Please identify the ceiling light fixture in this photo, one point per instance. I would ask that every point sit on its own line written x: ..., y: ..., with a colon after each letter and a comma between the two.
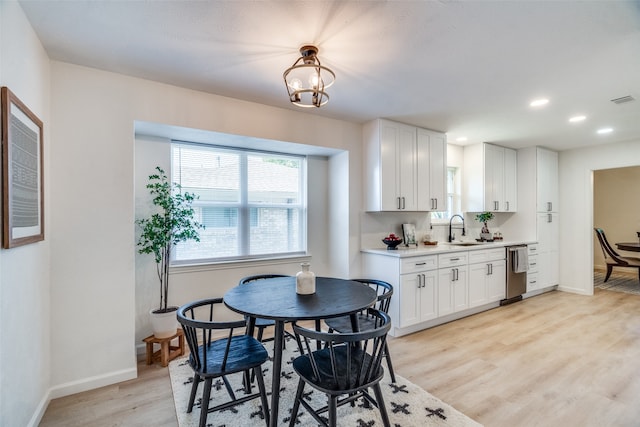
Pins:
x: 307, y: 79
x: 605, y: 130
x: 576, y: 119
x: 462, y: 139
x: 539, y: 102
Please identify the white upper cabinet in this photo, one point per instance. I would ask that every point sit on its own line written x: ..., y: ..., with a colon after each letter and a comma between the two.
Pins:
x: 490, y: 178
x: 404, y: 167
x: 547, y: 180
x: 432, y: 169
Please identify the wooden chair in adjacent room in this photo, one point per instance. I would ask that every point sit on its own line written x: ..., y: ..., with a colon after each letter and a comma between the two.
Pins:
x: 343, y: 324
x: 217, y: 358
x: 614, y: 259
x: 346, y: 364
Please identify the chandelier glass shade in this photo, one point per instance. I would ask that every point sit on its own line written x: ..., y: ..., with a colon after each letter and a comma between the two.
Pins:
x: 307, y: 79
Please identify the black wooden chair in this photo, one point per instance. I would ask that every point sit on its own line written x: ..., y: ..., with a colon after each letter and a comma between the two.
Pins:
x: 262, y: 324
x: 365, y: 323
x: 347, y: 365
x: 217, y: 358
x: 614, y: 259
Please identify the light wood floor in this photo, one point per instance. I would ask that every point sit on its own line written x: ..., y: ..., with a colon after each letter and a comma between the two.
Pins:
x: 557, y: 359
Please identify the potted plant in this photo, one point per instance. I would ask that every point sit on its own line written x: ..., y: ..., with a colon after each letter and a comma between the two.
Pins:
x: 484, y: 217
x: 171, y: 223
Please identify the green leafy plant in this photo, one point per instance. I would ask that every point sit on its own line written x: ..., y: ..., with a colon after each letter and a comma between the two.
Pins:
x: 484, y: 216
x: 173, y: 222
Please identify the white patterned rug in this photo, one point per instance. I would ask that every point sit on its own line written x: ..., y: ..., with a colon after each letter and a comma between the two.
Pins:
x: 626, y: 284
x: 407, y: 404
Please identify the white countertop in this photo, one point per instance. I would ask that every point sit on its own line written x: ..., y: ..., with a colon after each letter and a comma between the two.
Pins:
x: 422, y: 249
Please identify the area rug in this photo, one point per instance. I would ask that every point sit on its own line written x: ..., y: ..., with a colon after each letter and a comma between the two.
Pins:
x: 626, y: 284
x: 407, y: 404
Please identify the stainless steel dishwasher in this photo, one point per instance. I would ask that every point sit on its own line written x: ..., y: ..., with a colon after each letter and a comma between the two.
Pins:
x: 517, y: 266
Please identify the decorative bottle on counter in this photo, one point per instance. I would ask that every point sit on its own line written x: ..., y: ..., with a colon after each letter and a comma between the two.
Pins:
x: 305, y: 280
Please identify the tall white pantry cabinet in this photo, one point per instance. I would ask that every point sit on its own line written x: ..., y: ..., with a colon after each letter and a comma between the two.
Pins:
x: 404, y: 167
x: 539, y: 211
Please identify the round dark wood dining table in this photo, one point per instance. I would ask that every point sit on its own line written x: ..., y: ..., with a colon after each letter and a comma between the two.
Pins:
x: 631, y: 246
x: 276, y: 299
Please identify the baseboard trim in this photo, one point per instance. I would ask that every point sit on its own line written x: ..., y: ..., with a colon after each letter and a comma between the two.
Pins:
x: 40, y: 410
x: 91, y: 383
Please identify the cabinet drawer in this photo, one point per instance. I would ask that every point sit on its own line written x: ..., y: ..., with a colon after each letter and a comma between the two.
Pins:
x: 532, y: 249
x: 533, y: 264
x: 486, y: 255
x: 532, y: 281
x: 416, y: 264
x: 453, y: 259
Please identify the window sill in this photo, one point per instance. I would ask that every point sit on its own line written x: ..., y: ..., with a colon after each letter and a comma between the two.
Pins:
x: 235, y: 264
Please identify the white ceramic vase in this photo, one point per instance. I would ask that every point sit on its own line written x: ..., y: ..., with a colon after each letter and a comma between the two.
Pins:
x: 164, y: 324
x: 305, y: 280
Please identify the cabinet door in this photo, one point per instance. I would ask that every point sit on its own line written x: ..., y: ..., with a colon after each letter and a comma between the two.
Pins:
x: 460, y: 287
x: 445, y: 291
x: 510, y: 181
x: 428, y: 296
x: 410, y: 289
x: 548, y: 253
x: 547, y: 180
x: 431, y: 149
x: 494, y: 178
x: 406, y: 168
x: 497, y: 281
x: 478, y: 284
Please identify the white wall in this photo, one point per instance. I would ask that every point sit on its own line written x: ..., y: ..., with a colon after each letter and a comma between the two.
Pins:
x: 576, y: 219
x: 24, y: 271
x: 93, y: 168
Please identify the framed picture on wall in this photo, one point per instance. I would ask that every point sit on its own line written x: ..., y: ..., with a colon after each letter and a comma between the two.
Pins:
x: 409, y: 234
x: 22, y: 179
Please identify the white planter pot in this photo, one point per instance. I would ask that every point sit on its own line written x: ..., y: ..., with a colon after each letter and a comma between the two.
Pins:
x: 164, y: 324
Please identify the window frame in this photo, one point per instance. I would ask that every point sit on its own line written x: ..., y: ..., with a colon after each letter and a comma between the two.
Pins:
x: 244, y: 208
x: 454, y: 198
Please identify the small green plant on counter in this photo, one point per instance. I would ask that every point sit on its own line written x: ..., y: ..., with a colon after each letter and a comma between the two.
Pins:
x: 484, y: 217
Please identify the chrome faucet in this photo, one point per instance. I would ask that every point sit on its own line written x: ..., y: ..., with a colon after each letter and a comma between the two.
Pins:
x: 451, y: 236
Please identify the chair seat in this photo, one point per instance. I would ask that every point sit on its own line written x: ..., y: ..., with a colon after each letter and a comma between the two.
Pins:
x: 245, y: 352
x: 263, y: 323
x: 632, y: 261
x: 343, y: 380
x: 343, y: 324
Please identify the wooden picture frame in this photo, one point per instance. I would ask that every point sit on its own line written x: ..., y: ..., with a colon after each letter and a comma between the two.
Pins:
x: 22, y: 173
x: 409, y: 234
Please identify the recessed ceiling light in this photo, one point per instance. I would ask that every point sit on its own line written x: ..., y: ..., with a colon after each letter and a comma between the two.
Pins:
x: 539, y: 102
x: 577, y: 119
x: 462, y: 139
x: 605, y: 130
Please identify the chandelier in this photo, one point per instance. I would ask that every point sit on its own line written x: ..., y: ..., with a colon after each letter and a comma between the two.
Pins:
x: 307, y: 79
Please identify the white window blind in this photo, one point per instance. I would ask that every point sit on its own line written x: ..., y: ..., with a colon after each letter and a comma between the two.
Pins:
x: 251, y: 203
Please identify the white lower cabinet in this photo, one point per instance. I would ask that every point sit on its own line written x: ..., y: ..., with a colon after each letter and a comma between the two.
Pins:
x: 453, y: 290
x: 428, y: 288
x: 417, y: 297
x: 487, y: 277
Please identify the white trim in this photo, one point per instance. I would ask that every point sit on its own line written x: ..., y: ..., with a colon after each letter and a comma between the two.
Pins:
x: 91, y: 383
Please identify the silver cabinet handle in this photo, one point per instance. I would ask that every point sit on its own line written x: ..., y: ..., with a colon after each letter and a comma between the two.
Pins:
x: 420, y: 263
x: 403, y: 203
x: 549, y: 218
x: 549, y: 206
x: 454, y: 259
x: 424, y: 281
x: 507, y: 206
x: 398, y: 200
x: 488, y: 269
x: 419, y: 281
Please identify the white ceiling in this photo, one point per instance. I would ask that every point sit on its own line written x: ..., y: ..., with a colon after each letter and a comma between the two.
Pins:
x: 468, y: 68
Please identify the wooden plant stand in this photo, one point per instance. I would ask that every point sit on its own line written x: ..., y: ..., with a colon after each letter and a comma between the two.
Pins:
x: 167, y: 351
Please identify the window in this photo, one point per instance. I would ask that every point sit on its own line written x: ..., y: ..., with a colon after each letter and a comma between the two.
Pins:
x: 251, y: 203
x: 453, y: 198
